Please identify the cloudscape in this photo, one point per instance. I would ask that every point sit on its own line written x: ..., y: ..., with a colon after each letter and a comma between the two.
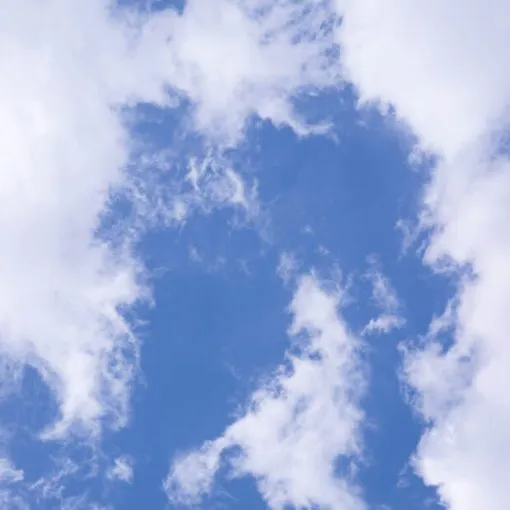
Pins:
x: 254, y: 254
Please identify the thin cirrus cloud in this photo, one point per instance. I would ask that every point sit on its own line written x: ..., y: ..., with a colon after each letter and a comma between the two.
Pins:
x: 69, y: 70
x: 298, y: 425
x: 385, y: 298
x: 444, y: 68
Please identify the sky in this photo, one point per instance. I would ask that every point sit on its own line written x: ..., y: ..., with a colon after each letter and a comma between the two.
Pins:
x: 254, y: 254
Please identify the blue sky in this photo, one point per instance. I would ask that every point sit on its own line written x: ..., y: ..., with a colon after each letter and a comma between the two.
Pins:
x: 254, y: 255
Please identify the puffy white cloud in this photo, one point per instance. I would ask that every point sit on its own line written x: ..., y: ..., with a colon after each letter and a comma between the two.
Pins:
x: 298, y: 425
x: 63, y: 147
x: 441, y: 64
x: 68, y: 70
x: 235, y: 58
x: 444, y: 68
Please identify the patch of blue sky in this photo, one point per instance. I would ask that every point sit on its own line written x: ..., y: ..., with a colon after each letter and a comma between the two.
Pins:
x: 220, y: 323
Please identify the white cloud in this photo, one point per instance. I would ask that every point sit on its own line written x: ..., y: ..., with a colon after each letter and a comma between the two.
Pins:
x: 63, y: 147
x: 68, y: 69
x: 390, y: 53
x: 214, y: 181
x: 172, y: 196
x: 384, y: 323
x: 122, y: 469
x: 386, y: 300
x: 8, y: 473
x: 235, y: 58
x: 444, y: 67
x: 287, y: 266
x: 298, y: 424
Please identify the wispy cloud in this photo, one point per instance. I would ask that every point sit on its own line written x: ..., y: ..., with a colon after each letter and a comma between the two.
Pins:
x: 251, y: 57
x: 71, y: 71
x: 288, y: 266
x: 66, y: 148
x: 122, y: 469
x: 386, y: 300
x: 298, y: 424
x: 8, y: 473
x: 443, y: 66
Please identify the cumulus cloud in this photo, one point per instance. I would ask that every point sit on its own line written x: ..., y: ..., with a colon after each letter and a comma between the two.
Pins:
x: 389, y: 53
x: 443, y: 67
x: 298, y: 425
x: 63, y: 148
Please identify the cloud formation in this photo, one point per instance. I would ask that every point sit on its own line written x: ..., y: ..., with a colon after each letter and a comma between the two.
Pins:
x: 69, y: 71
x: 73, y: 73
x: 443, y: 67
x: 298, y: 425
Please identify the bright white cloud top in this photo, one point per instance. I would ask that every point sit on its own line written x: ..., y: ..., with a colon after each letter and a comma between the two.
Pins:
x: 74, y: 74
